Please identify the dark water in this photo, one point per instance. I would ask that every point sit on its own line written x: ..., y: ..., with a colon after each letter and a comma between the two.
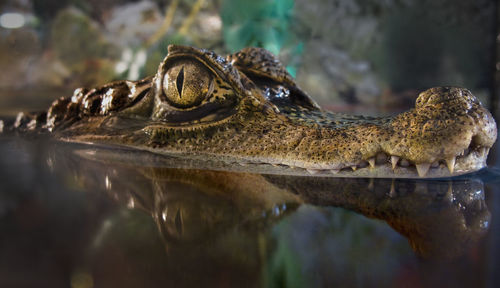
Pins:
x: 78, y: 216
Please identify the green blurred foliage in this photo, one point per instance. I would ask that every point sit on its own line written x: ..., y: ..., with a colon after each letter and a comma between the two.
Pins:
x: 76, y: 38
x: 261, y: 23
x: 81, y: 47
x: 284, y: 269
x: 333, y: 247
x: 157, y: 52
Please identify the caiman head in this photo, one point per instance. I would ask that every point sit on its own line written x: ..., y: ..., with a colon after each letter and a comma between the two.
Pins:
x: 246, y: 109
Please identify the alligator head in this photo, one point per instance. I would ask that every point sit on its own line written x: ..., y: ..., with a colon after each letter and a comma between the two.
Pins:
x: 247, y: 109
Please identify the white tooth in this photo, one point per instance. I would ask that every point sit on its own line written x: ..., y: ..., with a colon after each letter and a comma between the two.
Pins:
x: 450, y: 162
x: 354, y: 168
x: 449, y: 193
x: 422, y: 168
x: 313, y: 171
x: 371, y: 161
x: 392, y: 192
x: 394, y: 161
x: 371, y: 184
x: 334, y: 171
x: 484, y: 152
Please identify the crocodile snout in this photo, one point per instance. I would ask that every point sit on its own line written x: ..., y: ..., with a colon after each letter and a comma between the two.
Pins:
x: 448, y: 124
x: 246, y: 108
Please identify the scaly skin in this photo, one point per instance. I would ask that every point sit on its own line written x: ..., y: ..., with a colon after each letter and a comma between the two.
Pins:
x: 246, y: 108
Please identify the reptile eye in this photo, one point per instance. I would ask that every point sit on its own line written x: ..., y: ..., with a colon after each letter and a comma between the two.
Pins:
x: 187, y: 84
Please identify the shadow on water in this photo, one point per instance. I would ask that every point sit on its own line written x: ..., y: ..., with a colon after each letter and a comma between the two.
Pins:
x: 104, y: 217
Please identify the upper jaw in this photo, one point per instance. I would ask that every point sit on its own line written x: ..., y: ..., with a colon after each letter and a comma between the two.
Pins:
x: 448, y: 125
x: 448, y: 133
x: 386, y: 166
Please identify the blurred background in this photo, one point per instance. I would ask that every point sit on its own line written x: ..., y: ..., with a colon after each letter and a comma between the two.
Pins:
x: 366, y: 56
x: 361, y: 56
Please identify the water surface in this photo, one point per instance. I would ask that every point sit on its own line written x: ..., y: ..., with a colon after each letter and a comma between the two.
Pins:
x: 86, y: 216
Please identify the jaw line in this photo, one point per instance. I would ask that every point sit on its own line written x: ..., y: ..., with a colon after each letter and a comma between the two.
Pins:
x: 472, y: 162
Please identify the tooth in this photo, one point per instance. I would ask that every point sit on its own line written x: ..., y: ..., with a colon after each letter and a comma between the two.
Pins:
x: 371, y: 161
x: 334, y: 171
x: 484, y: 152
x: 371, y: 184
x: 449, y: 193
x: 481, y: 151
x: 354, y: 168
x: 451, y: 164
x: 422, y: 168
x: 392, y: 192
x: 394, y: 161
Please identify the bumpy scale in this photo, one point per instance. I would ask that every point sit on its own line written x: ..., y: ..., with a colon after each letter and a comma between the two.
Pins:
x: 246, y: 108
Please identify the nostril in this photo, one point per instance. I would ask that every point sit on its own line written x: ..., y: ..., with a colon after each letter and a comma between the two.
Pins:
x: 475, y: 141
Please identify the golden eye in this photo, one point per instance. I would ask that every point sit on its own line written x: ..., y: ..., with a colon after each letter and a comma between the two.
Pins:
x: 187, y: 84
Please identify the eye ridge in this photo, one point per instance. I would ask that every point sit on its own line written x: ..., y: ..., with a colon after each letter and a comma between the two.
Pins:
x: 180, y: 81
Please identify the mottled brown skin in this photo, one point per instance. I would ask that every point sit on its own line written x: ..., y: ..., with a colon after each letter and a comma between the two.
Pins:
x: 246, y: 108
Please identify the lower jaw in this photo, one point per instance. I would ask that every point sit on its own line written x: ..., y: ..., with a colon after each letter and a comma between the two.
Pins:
x: 472, y: 161
x: 386, y: 171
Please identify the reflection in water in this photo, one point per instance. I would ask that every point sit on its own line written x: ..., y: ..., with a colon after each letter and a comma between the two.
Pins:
x: 188, y: 226
x: 440, y: 218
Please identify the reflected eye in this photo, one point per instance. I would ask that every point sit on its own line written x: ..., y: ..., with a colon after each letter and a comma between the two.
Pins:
x: 187, y: 84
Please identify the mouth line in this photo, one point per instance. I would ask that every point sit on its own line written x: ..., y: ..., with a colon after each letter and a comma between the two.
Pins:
x: 383, y: 166
x: 468, y: 161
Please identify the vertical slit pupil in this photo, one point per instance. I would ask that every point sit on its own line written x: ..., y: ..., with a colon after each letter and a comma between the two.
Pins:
x: 180, y: 81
